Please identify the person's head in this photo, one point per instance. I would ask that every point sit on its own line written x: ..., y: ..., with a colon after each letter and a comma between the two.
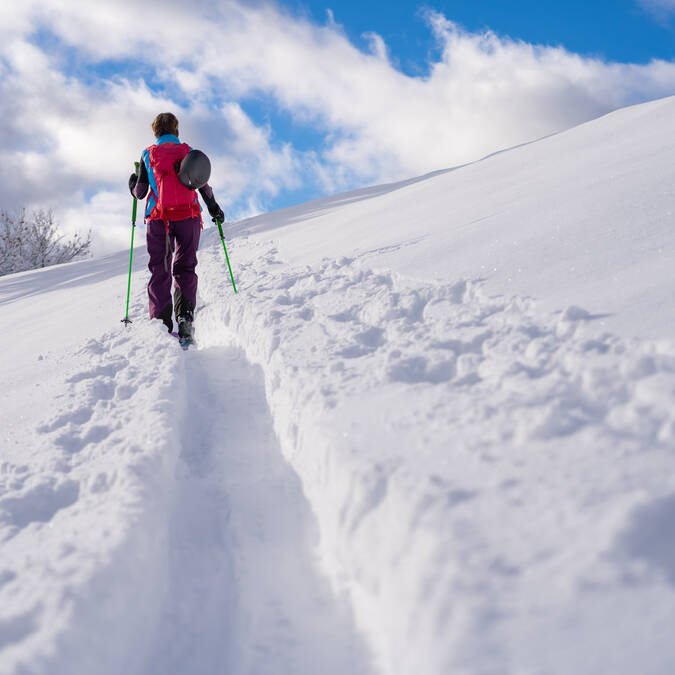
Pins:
x: 165, y: 123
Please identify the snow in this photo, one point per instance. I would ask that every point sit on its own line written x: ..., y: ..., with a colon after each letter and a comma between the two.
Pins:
x: 241, y: 540
x: 434, y: 432
x: 583, y: 217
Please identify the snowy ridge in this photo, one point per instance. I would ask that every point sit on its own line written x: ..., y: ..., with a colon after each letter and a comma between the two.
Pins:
x: 447, y: 440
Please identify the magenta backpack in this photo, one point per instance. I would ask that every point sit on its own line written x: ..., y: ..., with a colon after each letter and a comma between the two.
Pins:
x: 174, y: 200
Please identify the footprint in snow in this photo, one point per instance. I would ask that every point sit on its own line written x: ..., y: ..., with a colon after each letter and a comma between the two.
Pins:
x: 76, y: 417
x: 39, y: 503
x: 73, y: 442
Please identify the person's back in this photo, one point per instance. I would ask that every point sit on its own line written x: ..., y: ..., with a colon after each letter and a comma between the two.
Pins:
x: 173, y: 225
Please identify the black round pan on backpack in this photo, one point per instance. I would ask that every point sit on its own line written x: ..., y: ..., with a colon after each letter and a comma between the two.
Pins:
x: 195, y: 170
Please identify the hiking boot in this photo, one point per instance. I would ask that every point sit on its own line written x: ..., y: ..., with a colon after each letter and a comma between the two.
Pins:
x: 185, y: 331
x: 182, y: 306
x: 165, y: 316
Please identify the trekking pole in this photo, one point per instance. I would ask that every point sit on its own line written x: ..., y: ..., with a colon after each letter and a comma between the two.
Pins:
x: 126, y: 320
x: 227, y: 257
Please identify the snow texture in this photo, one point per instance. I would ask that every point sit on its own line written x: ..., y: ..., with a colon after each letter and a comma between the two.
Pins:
x: 385, y: 455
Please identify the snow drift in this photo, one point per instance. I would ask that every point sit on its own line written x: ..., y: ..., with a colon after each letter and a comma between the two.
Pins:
x: 472, y: 377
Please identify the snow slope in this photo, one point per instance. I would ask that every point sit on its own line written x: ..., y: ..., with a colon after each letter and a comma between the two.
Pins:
x: 583, y: 217
x: 434, y: 432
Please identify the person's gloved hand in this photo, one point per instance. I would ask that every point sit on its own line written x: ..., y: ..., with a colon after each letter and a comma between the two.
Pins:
x: 216, y: 212
x: 133, y: 179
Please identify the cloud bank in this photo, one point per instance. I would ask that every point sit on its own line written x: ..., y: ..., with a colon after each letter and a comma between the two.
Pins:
x: 81, y: 82
x: 659, y: 5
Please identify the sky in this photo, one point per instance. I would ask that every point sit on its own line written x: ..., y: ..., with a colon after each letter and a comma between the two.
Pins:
x: 618, y: 30
x: 299, y: 99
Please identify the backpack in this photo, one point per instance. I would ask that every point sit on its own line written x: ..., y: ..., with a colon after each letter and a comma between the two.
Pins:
x: 174, y: 200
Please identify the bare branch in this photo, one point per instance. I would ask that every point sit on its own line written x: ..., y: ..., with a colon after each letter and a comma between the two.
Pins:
x: 29, y: 242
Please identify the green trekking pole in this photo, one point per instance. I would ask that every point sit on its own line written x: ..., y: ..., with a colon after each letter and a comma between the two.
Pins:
x: 227, y: 257
x: 126, y: 320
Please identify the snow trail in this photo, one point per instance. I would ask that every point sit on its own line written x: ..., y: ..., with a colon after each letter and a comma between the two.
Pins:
x: 243, y: 594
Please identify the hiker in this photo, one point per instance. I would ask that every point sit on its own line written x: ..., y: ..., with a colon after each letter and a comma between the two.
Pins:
x: 173, y: 225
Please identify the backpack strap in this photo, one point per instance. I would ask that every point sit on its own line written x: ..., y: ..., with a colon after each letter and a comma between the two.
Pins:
x: 153, y: 198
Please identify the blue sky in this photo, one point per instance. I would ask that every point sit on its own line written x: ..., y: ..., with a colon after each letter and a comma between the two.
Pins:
x: 623, y: 31
x: 299, y: 99
x: 617, y: 30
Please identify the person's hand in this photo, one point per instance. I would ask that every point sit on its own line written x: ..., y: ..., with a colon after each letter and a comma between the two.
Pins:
x: 133, y: 179
x: 216, y: 213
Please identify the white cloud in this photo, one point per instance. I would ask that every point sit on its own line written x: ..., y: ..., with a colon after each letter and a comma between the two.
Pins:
x: 71, y: 144
x: 662, y: 10
x: 667, y: 5
x: 70, y: 138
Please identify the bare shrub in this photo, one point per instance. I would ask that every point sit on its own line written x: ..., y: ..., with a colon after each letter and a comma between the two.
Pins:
x: 28, y: 243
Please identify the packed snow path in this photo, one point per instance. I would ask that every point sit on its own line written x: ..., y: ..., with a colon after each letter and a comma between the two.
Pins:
x: 244, y: 596
x: 148, y: 521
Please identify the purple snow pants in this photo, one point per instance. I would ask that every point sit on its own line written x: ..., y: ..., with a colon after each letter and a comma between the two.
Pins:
x: 183, y: 237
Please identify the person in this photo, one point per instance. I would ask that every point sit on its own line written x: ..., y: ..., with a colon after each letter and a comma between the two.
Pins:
x: 173, y: 226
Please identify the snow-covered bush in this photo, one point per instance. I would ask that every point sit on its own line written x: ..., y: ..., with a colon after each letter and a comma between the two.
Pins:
x: 29, y: 242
